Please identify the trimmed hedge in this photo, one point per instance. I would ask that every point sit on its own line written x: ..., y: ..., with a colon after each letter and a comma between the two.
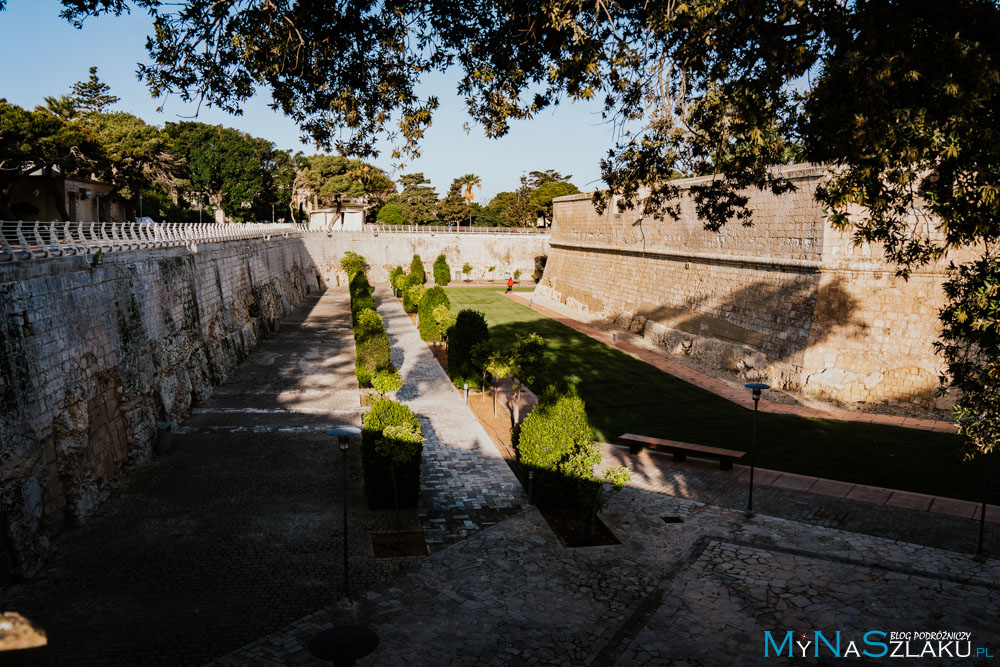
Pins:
x: 556, y: 441
x: 377, y: 469
x: 442, y: 272
x: 429, y: 329
x: 470, y: 328
x: 394, y: 276
x: 359, y: 286
x: 367, y: 324
x: 412, y: 294
x: 373, y: 355
x: 359, y: 304
x: 417, y: 269
x: 372, y: 343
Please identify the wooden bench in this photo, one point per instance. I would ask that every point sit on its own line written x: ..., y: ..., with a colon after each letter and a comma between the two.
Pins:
x: 681, y: 450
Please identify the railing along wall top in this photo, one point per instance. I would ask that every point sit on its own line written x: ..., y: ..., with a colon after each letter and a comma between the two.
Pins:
x: 429, y: 229
x: 21, y: 241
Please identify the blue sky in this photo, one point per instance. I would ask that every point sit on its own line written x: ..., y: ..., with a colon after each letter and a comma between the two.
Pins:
x: 44, y: 55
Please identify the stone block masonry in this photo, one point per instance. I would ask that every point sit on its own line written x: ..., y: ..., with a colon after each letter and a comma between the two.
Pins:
x: 91, y: 358
x: 790, y: 301
x: 505, y: 252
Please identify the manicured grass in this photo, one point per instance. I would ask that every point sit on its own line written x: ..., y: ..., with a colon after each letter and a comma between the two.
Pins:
x: 626, y: 395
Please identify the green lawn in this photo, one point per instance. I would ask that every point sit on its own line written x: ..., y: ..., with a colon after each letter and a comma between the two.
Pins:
x: 626, y: 395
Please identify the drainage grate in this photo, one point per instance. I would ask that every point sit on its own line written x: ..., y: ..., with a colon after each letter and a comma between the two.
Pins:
x: 672, y: 519
x: 6, y: 569
x: 829, y: 518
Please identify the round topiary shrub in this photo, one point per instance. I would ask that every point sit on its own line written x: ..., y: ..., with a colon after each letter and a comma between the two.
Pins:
x: 368, y: 323
x: 442, y: 272
x: 429, y: 329
x: 556, y: 441
x: 353, y: 263
x: 470, y: 328
x: 360, y: 304
x: 380, y: 451
x: 417, y: 269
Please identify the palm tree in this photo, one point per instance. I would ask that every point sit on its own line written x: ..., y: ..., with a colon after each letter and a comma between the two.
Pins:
x: 62, y: 107
x: 468, y: 182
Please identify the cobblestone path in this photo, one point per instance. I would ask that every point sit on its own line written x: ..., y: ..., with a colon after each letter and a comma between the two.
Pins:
x: 465, y: 482
x: 699, y: 590
x: 235, y: 532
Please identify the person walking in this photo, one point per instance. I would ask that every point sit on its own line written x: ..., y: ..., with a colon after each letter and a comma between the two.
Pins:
x: 510, y: 284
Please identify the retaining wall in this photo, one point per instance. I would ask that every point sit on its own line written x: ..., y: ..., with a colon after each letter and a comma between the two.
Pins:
x: 504, y: 252
x: 790, y: 301
x: 91, y: 358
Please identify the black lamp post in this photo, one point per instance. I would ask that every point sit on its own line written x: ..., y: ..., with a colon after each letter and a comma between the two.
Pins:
x: 344, y: 435
x: 756, y: 388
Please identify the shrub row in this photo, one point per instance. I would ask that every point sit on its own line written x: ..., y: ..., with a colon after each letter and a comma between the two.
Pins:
x: 391, y: 447
x: 371, y: 342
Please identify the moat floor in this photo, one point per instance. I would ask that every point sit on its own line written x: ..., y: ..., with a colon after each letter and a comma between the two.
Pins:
x: 228, y: 548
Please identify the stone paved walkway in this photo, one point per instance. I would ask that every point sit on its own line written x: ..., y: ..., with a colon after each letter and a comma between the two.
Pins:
x: 730, y: 392
x: 235, y: 532
x: 699, y: 590
x: 465, y: 482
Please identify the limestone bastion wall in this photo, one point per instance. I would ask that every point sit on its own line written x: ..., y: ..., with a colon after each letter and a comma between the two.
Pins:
x: 505, y: 252
x: 790, y: 301
x: 92, y: 357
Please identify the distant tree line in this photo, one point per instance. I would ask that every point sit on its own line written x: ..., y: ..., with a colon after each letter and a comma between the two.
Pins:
x: 188, y: 171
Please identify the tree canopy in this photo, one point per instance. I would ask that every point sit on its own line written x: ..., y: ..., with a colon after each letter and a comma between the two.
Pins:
x: 899, y: 97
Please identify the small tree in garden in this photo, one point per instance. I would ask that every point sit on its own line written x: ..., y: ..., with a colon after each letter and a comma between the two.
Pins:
x: 445, y: 320
x: 499, y: 365
x: 517, y: 275
x: 480, y: 356
x: 386, y: 381
x: 353, y: 263
x: 399, y: 444
x: 466, y: 270
x: 442, y: 272
x: 413, y: 294
x: 394, y: 277
x: 470, y: 329
x: 527, y: 361
x: 433, y: 298
x: 417, y: 269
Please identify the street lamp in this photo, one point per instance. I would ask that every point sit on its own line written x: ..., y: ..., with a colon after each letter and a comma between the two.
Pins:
x: 344, y: 435
x: 756, y: 388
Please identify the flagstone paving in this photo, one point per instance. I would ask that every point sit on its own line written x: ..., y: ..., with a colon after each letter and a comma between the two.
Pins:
x: 699, y: 592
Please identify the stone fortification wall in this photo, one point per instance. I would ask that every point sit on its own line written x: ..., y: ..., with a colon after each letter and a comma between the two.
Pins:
x: 92, y: 357
x: 790, y: 301
x: 505, y: 252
